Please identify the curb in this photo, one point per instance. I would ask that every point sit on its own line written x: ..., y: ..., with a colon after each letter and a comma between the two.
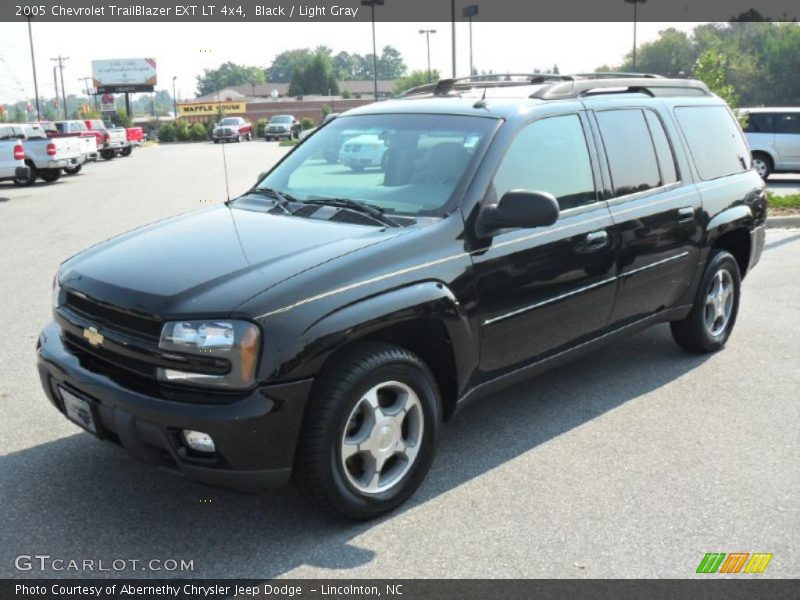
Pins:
x: 781, y: 222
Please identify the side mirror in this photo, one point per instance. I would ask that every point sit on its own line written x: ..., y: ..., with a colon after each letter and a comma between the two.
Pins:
x: 518, y: 209
x: 261, y: 176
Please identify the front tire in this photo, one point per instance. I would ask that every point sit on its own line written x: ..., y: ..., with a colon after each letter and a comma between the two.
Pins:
x: 32, y: 175
x: 370, y: 431
x: 73, y: 170
x: 713, y: 315
x: 108, y: 154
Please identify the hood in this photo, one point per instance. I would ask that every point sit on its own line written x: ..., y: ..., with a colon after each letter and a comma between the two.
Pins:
x: 210, y: 261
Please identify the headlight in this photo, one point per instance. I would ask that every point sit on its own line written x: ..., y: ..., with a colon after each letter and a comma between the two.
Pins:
x: 237, y: 342
x: 56, y: 291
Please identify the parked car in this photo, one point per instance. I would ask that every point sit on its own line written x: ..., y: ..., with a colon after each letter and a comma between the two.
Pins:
x: 232, y: 129
x: 45, y: 157
x: 307, y: 132
x: 135, y: 137
x: 335, y: 319
x: 12, y: 155
x: 115, y: 139
x: 364, y: 151
x: 773, y: 135
x: 74, y: 128
x: 282, y: 127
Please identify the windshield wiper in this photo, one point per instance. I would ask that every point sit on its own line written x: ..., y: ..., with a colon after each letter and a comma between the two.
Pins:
x: 281, y: 200
x: 376, y: 212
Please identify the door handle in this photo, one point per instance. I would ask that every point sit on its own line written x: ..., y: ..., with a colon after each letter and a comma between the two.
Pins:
x: 596, y: 239
x: 685, y: 214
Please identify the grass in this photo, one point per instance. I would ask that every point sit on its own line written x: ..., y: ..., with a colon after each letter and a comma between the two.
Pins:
x: 289, y: 142
x: 783, y: 205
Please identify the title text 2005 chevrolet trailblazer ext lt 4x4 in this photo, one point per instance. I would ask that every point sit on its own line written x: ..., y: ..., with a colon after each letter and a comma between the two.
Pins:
x: 325, y: 323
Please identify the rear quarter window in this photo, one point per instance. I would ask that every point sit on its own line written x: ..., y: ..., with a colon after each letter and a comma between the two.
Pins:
x: 714, y: 139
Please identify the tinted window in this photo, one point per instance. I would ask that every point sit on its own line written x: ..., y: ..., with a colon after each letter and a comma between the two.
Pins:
x: 788, y: 123
x: 630, y: 151
x: 715, y: 143
x: 550, y: 155
x: 666, y: 159
x: 6, y: 133
x: 760, y: 123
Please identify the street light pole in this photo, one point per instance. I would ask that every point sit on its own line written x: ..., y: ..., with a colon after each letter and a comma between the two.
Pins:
x: 33, y: 64
x: 636, y: 4
x: 453, y: 22
x: 60, y: 60
x: 469, y: 12
x: 174, y: 100
x: 372, y: 4
x: 428, y: 33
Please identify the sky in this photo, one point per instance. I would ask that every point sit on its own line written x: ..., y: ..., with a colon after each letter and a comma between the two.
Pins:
x: 185, y: 50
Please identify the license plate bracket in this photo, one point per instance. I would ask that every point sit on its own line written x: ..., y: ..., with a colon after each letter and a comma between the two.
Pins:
x: 80, y: 410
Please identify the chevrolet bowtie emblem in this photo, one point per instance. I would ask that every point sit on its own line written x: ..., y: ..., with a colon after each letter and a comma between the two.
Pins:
x: 94, y: 337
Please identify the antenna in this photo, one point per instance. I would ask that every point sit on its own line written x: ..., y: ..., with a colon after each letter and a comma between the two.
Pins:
x: 225, y: 167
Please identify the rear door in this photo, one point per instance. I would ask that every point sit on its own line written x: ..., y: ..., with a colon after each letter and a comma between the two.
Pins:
x: 546, y: 289
x: 787, y: 139
x: 658, y: 217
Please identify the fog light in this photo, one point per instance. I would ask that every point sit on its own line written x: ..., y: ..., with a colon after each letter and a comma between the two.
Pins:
x: 199, y: 441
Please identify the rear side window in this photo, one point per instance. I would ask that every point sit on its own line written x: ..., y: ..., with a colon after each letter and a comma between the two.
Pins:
x: 630, y: 151
x: 717, y: 147
x: 760, y: 123
x: 788, y: 123
x: 550, y: 155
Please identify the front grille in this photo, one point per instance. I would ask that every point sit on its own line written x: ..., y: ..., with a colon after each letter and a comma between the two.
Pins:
x: 106, y: 361
x: 113, y: 318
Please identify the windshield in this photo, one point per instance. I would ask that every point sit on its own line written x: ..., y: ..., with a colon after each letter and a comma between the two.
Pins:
x: 230, y: 121
x: 402, y: 163
x: 280, y: 120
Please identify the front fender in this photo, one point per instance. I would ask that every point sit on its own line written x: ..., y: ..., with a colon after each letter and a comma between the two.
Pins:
x: 423, y: 300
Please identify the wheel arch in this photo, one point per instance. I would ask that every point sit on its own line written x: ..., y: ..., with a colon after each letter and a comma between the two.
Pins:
x: 730, y: 230
x: 425, y: 318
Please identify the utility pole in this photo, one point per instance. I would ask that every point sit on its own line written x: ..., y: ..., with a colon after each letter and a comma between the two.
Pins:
x: 428, y: 33
x: 636, y: 4
x: 372, y: 4
x: 453, y: 19
x: 55, y: 85
x: 33, y: 64
x: 61, y: 60
x: 469, y: 12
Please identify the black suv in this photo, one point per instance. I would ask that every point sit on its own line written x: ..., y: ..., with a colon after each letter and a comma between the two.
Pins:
x: 324, y: 324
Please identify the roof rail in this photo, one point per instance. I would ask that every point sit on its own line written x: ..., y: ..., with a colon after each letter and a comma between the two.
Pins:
x: 444, y: 86
x: 652, y: 86
x: 615, y: 75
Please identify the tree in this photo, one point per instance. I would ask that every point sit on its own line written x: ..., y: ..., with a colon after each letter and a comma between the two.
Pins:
x: 226, y: 75
x: 316, y: 77
x: 285, y: 64
x: 671, y: 55
x: 413, y: 79
x: 711, y: 68
x: 390, y: 64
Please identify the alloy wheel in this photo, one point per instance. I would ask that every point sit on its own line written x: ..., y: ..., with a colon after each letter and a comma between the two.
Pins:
x: 382, y: 438
x: 719, y: 303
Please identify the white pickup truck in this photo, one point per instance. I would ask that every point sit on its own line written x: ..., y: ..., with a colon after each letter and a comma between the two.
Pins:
x: 115, y: 139
x: 12, y: 155
x: 45, y: 157
x: 90, y: 140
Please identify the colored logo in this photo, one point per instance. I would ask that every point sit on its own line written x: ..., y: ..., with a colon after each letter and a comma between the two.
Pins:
x: 734, y: 562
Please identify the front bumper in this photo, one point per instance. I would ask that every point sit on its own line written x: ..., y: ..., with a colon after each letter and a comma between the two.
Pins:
x: 255, y: 435
x: 283, y: 133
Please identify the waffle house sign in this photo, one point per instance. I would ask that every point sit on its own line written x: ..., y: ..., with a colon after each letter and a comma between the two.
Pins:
x: 207, y: 109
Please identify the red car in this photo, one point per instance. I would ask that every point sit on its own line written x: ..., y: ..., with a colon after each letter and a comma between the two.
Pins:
x: 135, y: 136
x: 232, y: 129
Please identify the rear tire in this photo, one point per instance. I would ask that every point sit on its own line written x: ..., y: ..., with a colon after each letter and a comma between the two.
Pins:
x: 32, y: 175
x: 713, y: 315
x: 50, y: 175
x: 108, y: 154
x: 762, y: 164
x: 369, y: 432
x: 126, y: 151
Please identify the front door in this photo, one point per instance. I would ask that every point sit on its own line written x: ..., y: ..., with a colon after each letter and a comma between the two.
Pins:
x: 543, y: 290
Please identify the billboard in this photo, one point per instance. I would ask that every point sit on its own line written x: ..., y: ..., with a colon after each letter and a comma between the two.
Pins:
x: 211, y: 108
x: 124, y: 75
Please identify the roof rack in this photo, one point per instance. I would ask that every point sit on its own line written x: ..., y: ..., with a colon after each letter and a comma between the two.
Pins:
x: 652, y: 86
x: 615, y: 75
x: 444, y: 86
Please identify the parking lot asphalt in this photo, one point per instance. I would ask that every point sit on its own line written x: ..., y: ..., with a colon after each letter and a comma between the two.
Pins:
x: 631, y: 462
x: 784, y: 184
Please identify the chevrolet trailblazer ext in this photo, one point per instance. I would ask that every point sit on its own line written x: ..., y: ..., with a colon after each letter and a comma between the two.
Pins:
x: 323, y: 325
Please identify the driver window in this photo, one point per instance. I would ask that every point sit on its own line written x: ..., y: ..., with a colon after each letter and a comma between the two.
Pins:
x: 550, y: 155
